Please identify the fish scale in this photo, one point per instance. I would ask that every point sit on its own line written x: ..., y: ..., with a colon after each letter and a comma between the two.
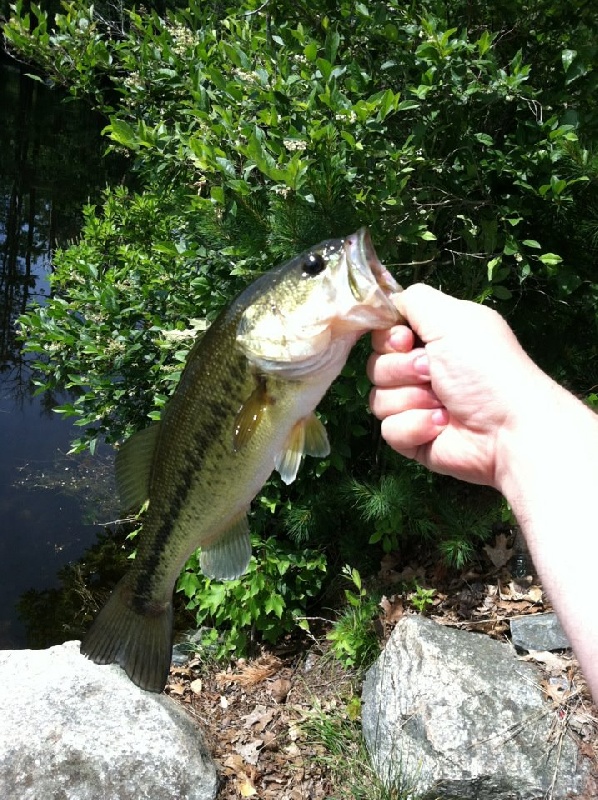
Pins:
x: 243, y: 407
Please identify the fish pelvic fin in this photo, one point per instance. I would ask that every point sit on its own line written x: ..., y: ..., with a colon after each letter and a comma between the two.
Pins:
x: 228, y: 557
x: 307, y: 437
x: 137, y: 636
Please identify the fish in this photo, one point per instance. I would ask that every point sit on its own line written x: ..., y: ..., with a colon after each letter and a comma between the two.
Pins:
x: 244, y: 407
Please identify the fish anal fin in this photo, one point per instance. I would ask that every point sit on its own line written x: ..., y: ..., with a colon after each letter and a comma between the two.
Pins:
x: 136, y: 637
x: 133, y: 467
x: 251, y: 414
x: 228, y: 557
x: 307, y: 437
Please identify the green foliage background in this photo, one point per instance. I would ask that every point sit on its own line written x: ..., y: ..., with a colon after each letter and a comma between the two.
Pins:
x: 463, y: 134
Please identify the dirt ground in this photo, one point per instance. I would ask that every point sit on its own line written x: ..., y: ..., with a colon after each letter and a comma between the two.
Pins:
x: 255, y: 713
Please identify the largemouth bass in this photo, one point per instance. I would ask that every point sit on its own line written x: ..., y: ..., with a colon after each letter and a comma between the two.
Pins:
x: 244, y: 406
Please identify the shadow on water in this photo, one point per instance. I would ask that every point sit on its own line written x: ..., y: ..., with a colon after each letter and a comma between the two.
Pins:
x: 50, y: 166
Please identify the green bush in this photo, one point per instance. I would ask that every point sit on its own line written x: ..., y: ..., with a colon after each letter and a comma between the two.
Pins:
x: 269, y: 600
x: 462, y: 134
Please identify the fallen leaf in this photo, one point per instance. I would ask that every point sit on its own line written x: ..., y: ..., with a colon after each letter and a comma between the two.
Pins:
x: 196, y: 686
x: 552, y: 661
x: 250, y: 751
x: 259, y: 717
x: 535, y: 594
x: 279, y: 689
x: 392, y: 608
x: 500, y: 554
x: 246, y: 788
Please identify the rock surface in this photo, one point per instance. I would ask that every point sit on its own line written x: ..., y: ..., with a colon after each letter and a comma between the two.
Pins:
x: 538, y: 632
x: 74, y: 731
x: 453, y: 714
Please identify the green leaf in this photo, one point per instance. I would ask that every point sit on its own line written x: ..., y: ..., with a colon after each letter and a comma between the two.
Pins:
x: 501, y: 292
x: 310, y: 51
x: 567, y: 57
x: 550, y: 259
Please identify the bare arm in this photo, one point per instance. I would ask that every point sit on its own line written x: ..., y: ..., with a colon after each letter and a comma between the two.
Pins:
x: 472, y: 404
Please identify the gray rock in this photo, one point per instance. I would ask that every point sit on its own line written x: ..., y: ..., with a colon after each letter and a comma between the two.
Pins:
x: 453, y: 714
x: 74, y: 731
x: 538, y: 632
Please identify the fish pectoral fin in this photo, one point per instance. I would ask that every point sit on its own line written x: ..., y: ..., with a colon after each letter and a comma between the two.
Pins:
x: 307, y: 437
x: 228, y: 557
x: 316, y: 438
x: 251, y: 414
x: 133, y: 466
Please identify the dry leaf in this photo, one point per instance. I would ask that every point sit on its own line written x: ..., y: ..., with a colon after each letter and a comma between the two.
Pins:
x: 392, y: 608
x: 500, y: 554
x: 246, y: 788
x: 552, y: 661
x: 259, y: 717
x: 234, y: 764
x: 250, y: 751
x: 196, y: 686
x: 279, y: 689
x: 535, y: 594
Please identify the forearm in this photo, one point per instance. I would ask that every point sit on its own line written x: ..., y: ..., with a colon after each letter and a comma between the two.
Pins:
x: 547, y: 469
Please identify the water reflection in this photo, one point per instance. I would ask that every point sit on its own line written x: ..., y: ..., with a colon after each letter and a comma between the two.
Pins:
x: 50, y: 165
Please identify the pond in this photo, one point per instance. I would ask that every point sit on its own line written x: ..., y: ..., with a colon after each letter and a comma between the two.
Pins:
x: 50, y: 166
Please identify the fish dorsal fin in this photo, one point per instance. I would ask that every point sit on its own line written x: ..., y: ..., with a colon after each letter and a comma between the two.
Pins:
x: 307, y: 437
x: 251, y: 414
x: 229, y: 556
x: 133, y: 466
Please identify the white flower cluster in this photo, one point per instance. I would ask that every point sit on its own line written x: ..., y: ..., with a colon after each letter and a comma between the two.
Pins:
x: 251, y: 77
x: 183, y: 39
x: 133, y: 81
x: 351, y: 116
x: 294, y: 144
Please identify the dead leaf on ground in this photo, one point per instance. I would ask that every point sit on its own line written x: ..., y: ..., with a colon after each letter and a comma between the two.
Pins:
x: 501, y: 553
x: 392, y: 609
x: 279, y: 689
x: 246, y: 788
x: 259, y: 718
x: 553, y: 662
x: 250, y: 751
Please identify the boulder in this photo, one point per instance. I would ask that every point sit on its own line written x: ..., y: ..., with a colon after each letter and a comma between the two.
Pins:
x: 72, y: 730
x: 453, y: 714
x: 538, y: 632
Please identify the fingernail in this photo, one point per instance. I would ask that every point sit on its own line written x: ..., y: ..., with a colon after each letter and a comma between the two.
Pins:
x: 421, y: 365
x: 440, y: 417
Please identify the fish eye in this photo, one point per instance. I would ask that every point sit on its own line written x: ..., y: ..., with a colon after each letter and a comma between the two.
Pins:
x: 313, y: 264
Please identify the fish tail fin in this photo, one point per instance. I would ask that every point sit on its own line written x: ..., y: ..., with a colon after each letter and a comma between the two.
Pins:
x: 138, y: 636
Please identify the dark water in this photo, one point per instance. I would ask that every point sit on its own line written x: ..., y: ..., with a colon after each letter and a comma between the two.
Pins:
x: 50, y: 165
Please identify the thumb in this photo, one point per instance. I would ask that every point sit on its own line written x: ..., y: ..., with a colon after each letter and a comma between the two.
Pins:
x: 429, y: 312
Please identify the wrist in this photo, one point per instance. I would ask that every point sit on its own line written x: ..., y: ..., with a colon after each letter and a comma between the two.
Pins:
x: 549, y: 431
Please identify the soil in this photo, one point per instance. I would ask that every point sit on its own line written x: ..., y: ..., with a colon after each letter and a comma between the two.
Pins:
x: 254, y: 712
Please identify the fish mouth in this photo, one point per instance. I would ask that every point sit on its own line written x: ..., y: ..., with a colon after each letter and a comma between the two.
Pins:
x: 363, y: 264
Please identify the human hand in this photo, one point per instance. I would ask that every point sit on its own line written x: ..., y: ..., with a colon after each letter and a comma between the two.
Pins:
x: 447, y: 404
